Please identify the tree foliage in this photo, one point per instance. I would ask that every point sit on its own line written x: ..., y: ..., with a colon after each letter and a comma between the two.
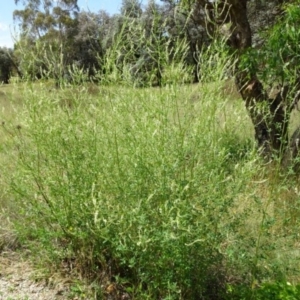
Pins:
x: 56, y: 35
x: 47, y: 31
x: 42, y: 16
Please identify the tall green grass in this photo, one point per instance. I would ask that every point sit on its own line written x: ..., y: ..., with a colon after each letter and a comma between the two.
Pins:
x: 160, y: 190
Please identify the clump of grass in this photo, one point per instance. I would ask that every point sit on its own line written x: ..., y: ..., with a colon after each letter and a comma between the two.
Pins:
x: 146, y: 186
x: 131, y: 183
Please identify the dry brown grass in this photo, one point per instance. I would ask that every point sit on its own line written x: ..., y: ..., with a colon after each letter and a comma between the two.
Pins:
x: 11, y: 105
x: 20, y: 279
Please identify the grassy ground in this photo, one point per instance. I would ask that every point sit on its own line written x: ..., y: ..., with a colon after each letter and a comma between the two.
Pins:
x: 10, y: 103
x: 155, y: 193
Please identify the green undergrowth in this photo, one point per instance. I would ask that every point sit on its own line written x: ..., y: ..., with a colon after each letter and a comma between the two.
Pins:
x: 149, y: 193
x: 268, y: 291
x: 162, y: 193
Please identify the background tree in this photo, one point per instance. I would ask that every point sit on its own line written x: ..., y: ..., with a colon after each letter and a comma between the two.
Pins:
x: 53, y: 24
x: 89, y: 42
x: 150, y: 38
x: 187, y: 22
x: 41, y: 16
x: 131, y: 8
x: 147, y: 68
